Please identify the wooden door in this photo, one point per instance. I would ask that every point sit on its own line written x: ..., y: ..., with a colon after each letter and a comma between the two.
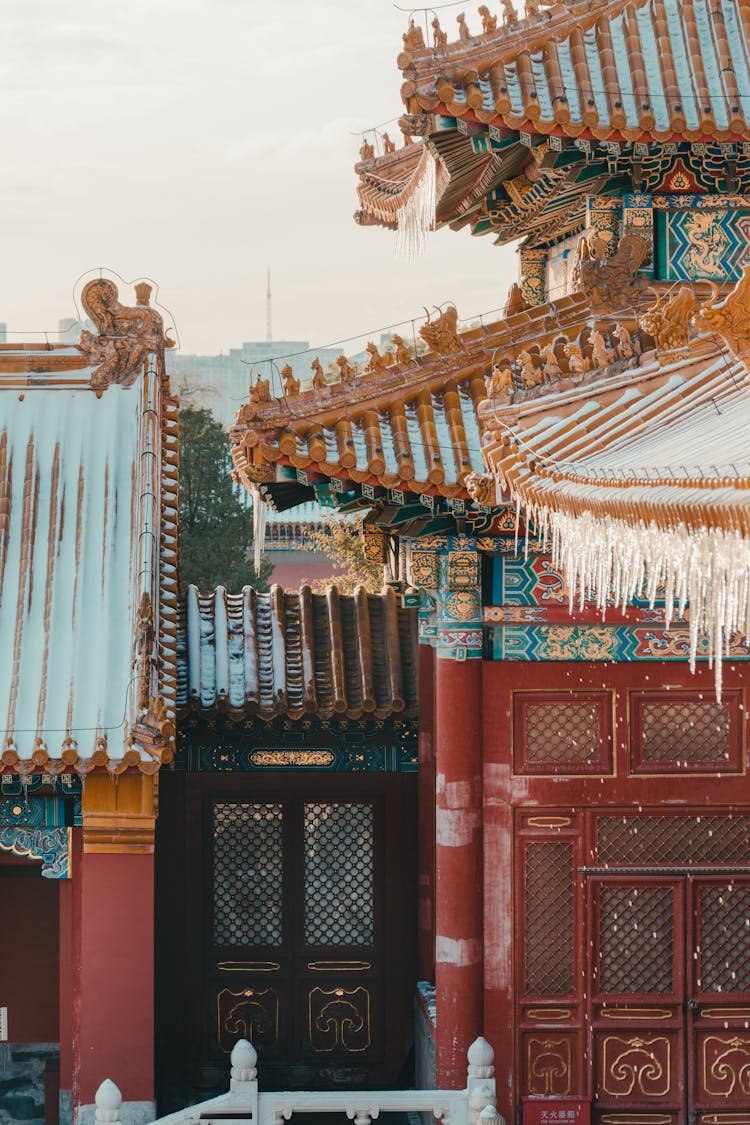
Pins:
x: 294, y: 943
x: 718, y: 1003
x: 670, y: 1001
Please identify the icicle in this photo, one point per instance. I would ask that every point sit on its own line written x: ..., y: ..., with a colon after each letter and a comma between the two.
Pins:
x: 416, y: 217
x: 707, y: 570
x: 260, y: 511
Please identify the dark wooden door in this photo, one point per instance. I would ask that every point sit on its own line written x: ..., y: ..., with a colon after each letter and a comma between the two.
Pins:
x: 670, y: 1000
x: 294, y: 943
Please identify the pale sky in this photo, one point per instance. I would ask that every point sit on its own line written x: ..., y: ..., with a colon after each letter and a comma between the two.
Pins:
x: 197, y: 141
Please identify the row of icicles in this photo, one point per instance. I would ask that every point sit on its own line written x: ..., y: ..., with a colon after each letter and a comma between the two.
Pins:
x: 707, y: 570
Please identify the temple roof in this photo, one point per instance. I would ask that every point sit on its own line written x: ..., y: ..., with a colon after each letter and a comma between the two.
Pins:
x: 88, y: 551
x: 297, y: 654
x: 639, y: 473
x: 650, y: 69
x: 412, y: 424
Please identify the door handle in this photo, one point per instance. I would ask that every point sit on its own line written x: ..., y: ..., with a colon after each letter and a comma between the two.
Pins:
x: 692, y: 1005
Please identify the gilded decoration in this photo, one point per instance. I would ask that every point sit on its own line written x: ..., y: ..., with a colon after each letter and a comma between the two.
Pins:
x: 636, y: 1067
x: 549, y: 1066
x: 611, y: 281
x: 463, y: 605
x: 441, y: 334
x: 668, y: 321
x: 462, y: 570
x: 425, y: 569
x: 731, y: 320
x: 250, y: 1013
x: 300, y: 759
x: 338, y: 1019
x: 725, y: 1065
x: 124, y: 336
x: 375, y: 543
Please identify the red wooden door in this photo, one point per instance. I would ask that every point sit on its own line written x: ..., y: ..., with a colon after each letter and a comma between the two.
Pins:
x: 294, y: 949
x: 670, y: 1002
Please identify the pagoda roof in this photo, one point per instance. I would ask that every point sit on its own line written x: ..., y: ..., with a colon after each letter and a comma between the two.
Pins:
x: 412, y: 425
x: 297, y: 654
x: 640, y: 475
x: 88, y: 468
x: 609, y: 69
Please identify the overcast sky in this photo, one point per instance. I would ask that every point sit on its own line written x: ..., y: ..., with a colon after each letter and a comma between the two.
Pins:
x: 197, y: 141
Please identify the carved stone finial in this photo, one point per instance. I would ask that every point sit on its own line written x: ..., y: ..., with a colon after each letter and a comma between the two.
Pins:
x: 244, y: 1059
x: 489, y: 23
x: 291, y: 385
x: 108, y: 1101
x: 481, y: 1058
x: 732, y: 319
x: 442, y: 334
x: 668, y: 322
x: 124, y: 336
x: 611, y: 282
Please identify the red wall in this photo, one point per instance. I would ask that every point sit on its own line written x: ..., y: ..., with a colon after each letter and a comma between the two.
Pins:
x: 29, y: 952
x: 503, y: 792
x: 115, y: 975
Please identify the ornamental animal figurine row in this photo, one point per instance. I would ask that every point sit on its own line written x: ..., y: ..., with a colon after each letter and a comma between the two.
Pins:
x: 559, y: 360
x: 414, y: 38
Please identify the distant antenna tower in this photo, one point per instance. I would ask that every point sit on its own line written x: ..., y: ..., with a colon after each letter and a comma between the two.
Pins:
x: 269, y: 334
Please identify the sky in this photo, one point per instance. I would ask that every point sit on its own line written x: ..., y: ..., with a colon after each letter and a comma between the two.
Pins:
x: 197, y: 142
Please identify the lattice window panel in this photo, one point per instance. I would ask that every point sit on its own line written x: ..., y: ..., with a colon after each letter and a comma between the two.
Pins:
x: 562, y: 732
x: 248, y: 874
x: 684, y: 731
x: 672, y: 841
x: 635, y: 939
x: 548, y: 918
x: 724, y: 940
x: 339, y: 874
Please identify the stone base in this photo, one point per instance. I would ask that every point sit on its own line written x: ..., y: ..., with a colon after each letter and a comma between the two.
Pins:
x: 22, y: 1067
x: 131, y: 1113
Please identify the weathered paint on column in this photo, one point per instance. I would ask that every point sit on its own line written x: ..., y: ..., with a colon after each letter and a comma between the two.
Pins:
x: 115, y: 985
x: 426, y: 813
x: 458, y: 853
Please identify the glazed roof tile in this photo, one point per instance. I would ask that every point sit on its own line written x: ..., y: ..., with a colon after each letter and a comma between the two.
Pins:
x: 648, y: 69
x: 88, y: 544
x: 297, y: 654
x: 413, y: 425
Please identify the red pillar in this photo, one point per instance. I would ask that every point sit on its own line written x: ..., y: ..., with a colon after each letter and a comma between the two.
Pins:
x: 458, y: 891
x: 114, y: 944
x: 426, y: 858
x: 116, y: 977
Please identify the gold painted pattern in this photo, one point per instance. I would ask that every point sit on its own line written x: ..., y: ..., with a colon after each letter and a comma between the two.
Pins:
x: 549, y: 1014
x: 630, y: 1065
x: 338, y: 1019
x: 339, y: 966
x: 250, y: 1014
x: 292, y: 757
x: 726, y: 1070
x: 549, y: 1067
x: 635, y: 1014
x: 549, y: 822
x: 248, y: 966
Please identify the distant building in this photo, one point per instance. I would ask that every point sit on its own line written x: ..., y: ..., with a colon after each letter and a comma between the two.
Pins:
x: 219, y: 383
x: 3, y: 332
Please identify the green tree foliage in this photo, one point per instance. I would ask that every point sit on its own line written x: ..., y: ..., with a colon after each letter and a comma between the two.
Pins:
x: 344, y: 543
x: 216, y: 529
